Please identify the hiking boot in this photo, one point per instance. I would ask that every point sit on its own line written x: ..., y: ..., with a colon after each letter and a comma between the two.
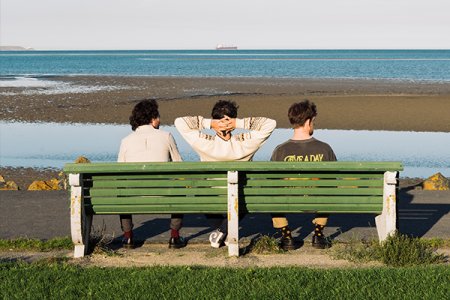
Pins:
x: 320, y: 242
x: 216, y: 238
x: 287, y: 243
x: 177, y: 242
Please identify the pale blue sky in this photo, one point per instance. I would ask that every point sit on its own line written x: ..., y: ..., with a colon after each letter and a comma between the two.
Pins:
x: 249, y: 24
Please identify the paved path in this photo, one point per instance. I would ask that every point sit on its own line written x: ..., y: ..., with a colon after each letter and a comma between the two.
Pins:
x: 45, y: 215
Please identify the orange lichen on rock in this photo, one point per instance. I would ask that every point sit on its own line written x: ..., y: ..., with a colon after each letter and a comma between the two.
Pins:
x: 437, y: 182
x: 7, y: 185
x: 82, y: 160
x: 48, y: 185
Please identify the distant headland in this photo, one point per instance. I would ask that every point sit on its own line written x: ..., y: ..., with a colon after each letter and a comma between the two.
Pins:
x: 15, y: 48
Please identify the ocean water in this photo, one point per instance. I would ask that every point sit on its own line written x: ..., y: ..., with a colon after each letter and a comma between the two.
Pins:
x: 408, y: 65
x: 53, y: 145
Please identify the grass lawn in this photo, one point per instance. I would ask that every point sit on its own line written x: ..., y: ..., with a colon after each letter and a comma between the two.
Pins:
x: 66, y: 281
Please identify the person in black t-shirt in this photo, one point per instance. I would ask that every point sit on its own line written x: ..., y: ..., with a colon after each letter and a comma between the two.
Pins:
x: 302, y: 147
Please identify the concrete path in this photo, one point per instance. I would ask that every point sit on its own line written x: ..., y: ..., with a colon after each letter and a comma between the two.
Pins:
x: 45, y: 215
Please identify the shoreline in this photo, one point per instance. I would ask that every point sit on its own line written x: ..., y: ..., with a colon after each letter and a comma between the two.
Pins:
x: 352, y: 104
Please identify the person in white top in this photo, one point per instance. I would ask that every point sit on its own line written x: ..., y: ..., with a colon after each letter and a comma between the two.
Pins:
x: 147, y: 143
x: 223, y: 145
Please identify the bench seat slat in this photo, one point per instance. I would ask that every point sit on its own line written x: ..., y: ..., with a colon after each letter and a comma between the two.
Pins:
x: 312, y: 191
x: 222, y: 175
x: 326, y: 208
x: 294, y: 183
x: 152, y: 209
x: 158, y: 183
x: 305, y: 175
x: 281, y: 200
x: 158, y: 192
x: 157, y: 200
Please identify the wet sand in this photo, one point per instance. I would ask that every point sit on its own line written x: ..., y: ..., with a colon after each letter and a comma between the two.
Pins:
x: 342, y: 104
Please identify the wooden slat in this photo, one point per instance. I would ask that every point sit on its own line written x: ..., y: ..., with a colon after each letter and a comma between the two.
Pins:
x: 158, y: 183
x: 306, y: 175
x: 294, y: 183
x: 281, y: 200
x: 173, y: 175
x: 165, y: 167
x: 298, y: 208
x: 154, y: 209
x: 312, y: 191
x: 158, y: 192
x: 157, y: 200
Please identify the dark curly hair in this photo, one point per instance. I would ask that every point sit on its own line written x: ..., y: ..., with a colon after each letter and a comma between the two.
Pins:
x: 224, y: 108
x: 300, y: 112
x: 143, y: 113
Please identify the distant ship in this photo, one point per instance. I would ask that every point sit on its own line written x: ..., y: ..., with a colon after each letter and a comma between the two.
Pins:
x: 224, y: 47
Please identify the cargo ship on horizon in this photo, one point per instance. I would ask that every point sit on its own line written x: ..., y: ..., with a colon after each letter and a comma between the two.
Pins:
x: 225, y: 47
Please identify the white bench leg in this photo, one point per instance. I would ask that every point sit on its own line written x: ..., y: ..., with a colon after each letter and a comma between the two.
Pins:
x: 80, y: 223
x: 233, y: 214
x: 387, y: 222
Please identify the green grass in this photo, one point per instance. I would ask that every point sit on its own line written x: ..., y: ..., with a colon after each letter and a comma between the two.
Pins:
x: 401, y: 250
x: 397, y: 250
x: 65, y: 281
x: 265, y: 245
x: 27, y: 244
x: 436, y: 242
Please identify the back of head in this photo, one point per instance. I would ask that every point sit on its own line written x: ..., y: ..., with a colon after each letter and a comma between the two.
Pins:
x: 300, y: 112
x: 224, y: 108
x: 143, y: 113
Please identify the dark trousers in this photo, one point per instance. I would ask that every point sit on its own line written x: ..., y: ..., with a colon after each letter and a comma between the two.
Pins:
x: 126, y: 222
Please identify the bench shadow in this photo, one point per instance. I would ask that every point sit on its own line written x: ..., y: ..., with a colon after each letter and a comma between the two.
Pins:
x: 144, y: 231
x: 157, y: 226
x: 414, y: 219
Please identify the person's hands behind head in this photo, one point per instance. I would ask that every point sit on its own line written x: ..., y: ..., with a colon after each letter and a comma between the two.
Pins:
x: 224, y: 127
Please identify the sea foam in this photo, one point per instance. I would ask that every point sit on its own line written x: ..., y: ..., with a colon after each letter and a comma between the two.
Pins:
x: 38, y: 86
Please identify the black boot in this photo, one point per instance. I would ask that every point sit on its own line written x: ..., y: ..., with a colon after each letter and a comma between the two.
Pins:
x: 177, y: 242
x: 286, y: 241
x: 318, y: 240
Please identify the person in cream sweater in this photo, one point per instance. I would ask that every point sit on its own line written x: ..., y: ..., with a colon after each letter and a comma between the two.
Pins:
x: 224, y: 145
x: 147, y: 143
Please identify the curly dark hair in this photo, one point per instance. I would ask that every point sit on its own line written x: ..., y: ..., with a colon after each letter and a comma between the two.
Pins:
x: 300, y: 112
x: 143, y: 113
x: 224, y: 108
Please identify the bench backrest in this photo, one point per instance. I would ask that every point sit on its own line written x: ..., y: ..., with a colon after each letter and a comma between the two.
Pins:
x: 263, y: 187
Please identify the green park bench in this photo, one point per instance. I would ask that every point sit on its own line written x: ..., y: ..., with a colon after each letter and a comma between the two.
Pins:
x: 231, y: 188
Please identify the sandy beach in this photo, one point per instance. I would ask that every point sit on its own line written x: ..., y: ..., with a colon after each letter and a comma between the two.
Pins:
x: 342, y: 104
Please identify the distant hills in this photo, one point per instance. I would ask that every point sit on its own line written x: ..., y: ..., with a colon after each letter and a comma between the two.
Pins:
x: 14, y: 48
